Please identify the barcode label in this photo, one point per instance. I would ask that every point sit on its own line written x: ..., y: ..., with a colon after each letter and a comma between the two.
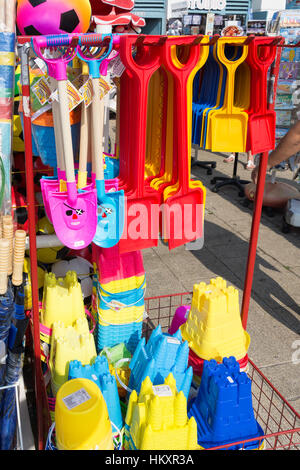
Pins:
x: 173, y: 340
x: 76, y: 398
x: 162, y: 390
x: 186, y: 313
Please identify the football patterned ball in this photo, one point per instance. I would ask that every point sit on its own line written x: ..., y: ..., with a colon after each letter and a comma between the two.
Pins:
x: 42, y: 17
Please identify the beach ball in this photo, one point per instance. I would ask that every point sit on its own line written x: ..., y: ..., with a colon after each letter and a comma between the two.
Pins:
x: 42, y: 17
x: 51, y: 254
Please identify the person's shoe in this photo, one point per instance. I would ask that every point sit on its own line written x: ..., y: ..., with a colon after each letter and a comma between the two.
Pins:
x: 250, y: 165
x: 229, y: 159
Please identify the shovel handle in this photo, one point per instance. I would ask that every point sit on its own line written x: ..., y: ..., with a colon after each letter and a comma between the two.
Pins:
x: 142, y: 73
x: 57, y: 67
x: 98, y: 39
x: 182, y: 76
x: 94, y: 59
x: 83, y: 150
x: 66, y: 130
x: 259, y: 68
x: 231, y: 67
x: 97, y: 129
x: 150, y: 64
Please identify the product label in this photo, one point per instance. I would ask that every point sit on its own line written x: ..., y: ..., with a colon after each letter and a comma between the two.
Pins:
x: 117, y: 67
x: 83, y: 84
x: 75, y: 98
x: 186, y: 313
x: 173, y: 340
x: 105, y: 87
x: 41, y: 89
x: 77, y: 398
x: 162, y: 390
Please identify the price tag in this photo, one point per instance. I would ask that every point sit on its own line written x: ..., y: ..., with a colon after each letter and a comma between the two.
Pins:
x: 173, y: 340
x: 75, y: 98
x: 162, y: 390
x: 77, y: 398
x: 118, y: 67
x: 42, y: 90
x: 83, y: 84
x: 105, y: 87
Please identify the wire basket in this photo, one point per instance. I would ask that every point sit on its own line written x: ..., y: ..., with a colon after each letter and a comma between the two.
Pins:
x: 280, y: 422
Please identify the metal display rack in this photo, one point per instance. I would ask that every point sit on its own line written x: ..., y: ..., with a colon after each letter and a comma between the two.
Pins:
x: 280, y: 421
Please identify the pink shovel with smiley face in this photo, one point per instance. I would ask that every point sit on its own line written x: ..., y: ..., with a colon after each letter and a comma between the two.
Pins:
x: 74, y: 212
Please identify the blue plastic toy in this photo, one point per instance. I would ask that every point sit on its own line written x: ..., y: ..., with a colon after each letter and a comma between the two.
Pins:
x: 99, y: 373
x: 223, y: 407
x: 162, y: 355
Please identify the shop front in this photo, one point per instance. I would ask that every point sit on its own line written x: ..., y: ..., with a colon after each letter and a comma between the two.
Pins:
x: 207, y: 16
x: 155, y: 14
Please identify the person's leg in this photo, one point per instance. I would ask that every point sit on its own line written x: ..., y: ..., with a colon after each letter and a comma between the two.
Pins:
x: 229, y: 159
x: 250, y: 161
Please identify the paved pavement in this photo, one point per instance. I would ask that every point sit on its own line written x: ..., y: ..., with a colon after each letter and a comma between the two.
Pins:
x: 273, y: 321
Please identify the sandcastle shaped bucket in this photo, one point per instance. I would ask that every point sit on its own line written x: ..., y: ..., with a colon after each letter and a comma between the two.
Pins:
x: 223, y: 407
x: 69, y: 343
x: 213, y: 328
x: 157, y: 419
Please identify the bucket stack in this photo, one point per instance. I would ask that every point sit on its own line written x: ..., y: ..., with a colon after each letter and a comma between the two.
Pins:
x: 121, y: 286
x: 213, y: 328
x: 223, y: 407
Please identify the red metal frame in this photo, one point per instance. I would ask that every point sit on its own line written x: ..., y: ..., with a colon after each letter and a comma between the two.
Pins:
x: 40, y: 391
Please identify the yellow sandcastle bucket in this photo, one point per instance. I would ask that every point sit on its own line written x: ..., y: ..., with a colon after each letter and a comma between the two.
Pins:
x: 81, y: 417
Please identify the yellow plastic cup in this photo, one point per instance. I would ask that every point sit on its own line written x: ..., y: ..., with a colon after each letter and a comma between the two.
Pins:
x: 81, y: 417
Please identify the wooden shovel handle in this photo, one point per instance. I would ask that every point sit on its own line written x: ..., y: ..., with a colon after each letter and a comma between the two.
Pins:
x: 66, y: 130
x: 97, y: 129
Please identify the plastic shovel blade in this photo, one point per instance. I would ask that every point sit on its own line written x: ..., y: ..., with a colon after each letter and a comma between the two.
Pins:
x: 110, y: 217
x: 46, y: 186
x: 75, y: 223
x: 183, y: 217
x: 261, y: 132
x: 229, y: 132
x: 141, y: 224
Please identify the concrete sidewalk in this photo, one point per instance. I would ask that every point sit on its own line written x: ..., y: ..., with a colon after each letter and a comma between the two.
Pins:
x: 273, y: 321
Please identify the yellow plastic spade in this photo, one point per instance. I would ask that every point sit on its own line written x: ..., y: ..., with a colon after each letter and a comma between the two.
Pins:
x: 228, y: 125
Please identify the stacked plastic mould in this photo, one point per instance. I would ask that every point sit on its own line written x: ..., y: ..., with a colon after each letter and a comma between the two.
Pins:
x: 62, y: 302
x: 99, y: 373
x: 120, y: 300
x: 213, y: 327
x: 157, y: 419
x: 223, y: 407
x: 162, y: 355
x: 69, y: 343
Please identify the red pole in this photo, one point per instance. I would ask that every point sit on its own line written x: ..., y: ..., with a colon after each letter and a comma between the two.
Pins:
x: 259, y: 197
x: 254, y: 236
x: 32, y: 239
